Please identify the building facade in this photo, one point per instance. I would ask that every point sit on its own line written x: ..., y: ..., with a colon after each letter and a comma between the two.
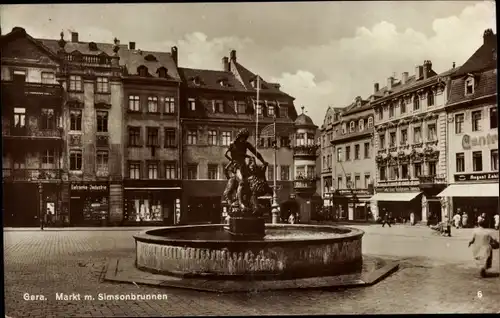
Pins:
x: 472, y: 126
x: 328, y: 131
x: 410, y: 145
x: 353, y: 164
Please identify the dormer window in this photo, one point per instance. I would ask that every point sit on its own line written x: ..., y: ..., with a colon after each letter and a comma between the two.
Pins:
x: 150, y: 58
x: 370, y: 122
x: 270, y: 111
x: 344, y: 128
x: 361, y: 125
x: 196, y: 81
x: 352, y: 126
x: 77, y: 56
x: 223, y: 82
x: 469, y: 85
x: 162, y: 72
x: 142, y: 71
x: 92, y: 46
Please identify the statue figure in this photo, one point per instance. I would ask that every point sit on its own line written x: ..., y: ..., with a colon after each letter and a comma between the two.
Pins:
x: 238, y: 172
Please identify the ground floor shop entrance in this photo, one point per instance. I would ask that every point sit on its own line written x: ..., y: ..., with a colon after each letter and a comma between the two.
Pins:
x: 21, y: 204
x: 89, y: 204
x: 399, y: 205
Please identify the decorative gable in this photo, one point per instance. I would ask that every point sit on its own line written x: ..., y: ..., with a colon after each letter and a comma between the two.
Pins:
x: 22, y: 48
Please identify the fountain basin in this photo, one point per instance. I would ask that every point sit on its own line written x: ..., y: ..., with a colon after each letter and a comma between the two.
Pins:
x: 287, y: 251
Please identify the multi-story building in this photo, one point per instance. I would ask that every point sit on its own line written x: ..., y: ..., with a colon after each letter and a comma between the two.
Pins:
x: 410, y: 144
x: 152, y: 157
x: 353, y: 164
x: 90, y: 74
x: 472, y: 139
x: 33, y: 140
x: 215, y: 104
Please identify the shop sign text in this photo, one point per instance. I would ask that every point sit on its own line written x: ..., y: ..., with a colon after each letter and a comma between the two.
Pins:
x: 476, y: 176
x: 469, y: 142
x: 89, y: 187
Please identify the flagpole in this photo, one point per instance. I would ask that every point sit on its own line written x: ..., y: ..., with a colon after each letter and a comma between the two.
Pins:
x: 257, y: 115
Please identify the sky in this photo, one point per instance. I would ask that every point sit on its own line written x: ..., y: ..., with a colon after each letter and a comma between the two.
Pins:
x: 322, y: 53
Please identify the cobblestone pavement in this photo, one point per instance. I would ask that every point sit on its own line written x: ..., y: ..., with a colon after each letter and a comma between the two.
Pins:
x: 437, y: 275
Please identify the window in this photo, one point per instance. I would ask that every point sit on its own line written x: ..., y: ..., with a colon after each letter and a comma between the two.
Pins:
x: 430, y: 99
x: 134, y: 136
x: 75, y: 83
x: 367, y: 181
x: 460, y: 162
x: 241, y: 107
x: 270, y: 172
x: 152, y: 136
x: 212, y: 137
x: 357, y: 182
x: 392, y: 139
x: 404, y: 171
x: 339, y: 154
x: 476, y: 120
x: 102, y: 85
x: 170, y: 170
x: 212, y: 172
x: 143, y: 71
x: 403, y: 107
x: 370, y: 122
x: 391, y: 111
x: 416, y: 103
x: 324, y: 162
x: 310, y: 171
x: 417, y: 170
x: 393, y: 172
x: 348, y: 183
x: 301, y: 171
x: 352, y: 126
x: 431, y: 132
x: 102, y: 121
x: 477, y: 161
x: 356, y: 152
x: 381, y: 171
x: 152, y: 170
x: 48, y: 119
x: 417, y: 135
x: 218, y: 106
x: 380, y: 113
x: 300, y: 140
x: 469, y: 86
x: 48, y: 78
x: 226, y: 138
x: 404, y: 136
x: 192, y: 104
x: 152, y: 104
x: 344, y: 128
x: 192, y: 137
x: 285, y: 173
x: 494, y: 160
x: 192, y: 171
x: 493, y: 118
x: 431, y: 165
x: 284, y: 141
x: 169, y: 137
x: 259, y: 110
x: 75, y: 160
x: 382, y: 141
x: 134, y: 170
x: 284, y: 111
x: 270, y: 111
x: 48, y: 157
x: 361, y: 125
x: 367, y: 150
x: 169, y: 105
x: 75, y: 120
x: 19, y: 117
x: 329, y: 161
x: 134, y: 103
x: 347, y: 153
x: 459, y: 123
x: 102, y: 160
x: 339, y: 182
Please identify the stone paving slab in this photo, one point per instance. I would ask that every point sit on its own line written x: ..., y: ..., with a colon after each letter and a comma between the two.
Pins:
x: 123, y: 270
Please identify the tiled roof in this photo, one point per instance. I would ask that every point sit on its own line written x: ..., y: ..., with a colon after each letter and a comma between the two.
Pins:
x: 82, y: 47
x: 132, y: 59
x: 304, y: 120
x: 210, y: 79
x: 483, y: 58
x: 485, y: 84
x: 20, y: 32
x: 247, y: 77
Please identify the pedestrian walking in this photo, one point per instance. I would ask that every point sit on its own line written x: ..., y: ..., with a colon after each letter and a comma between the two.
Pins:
x: 457, y: 220
x: 465, y: 219
x: 483, y: 245
x: 412, y: 218
x: 497, y: 221
x: 386, y: 219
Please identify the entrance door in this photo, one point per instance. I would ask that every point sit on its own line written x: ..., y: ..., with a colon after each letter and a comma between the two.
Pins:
x: 434, y: 212
x: 21, y: 205
x: 76, y: 211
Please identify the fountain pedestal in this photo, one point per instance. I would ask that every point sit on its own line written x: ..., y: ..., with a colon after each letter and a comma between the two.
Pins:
x: 246, y: 227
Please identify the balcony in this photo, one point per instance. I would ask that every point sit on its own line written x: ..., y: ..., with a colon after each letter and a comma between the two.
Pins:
x: 305, y: 150
x: 431, y: 181
x: 102, y: 141
x: 31, y: 174
x: 91, y: 60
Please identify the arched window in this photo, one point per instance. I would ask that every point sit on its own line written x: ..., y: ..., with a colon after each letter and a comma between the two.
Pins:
x: 352, y: 126
x: 344, y: 128
x: 370, y: 122
x: 361, y: 125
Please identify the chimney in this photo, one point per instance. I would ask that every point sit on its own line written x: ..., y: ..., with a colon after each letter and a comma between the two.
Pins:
x: 453, y: 64
x: 390, y: 81
x: 74, y: 37
x: 427, y: 68
x: 419, y: 70
x: 489, y: 37
x: 376, y: 87
x: 233, y: 55
x: 404, y: 77
x: 225, y: 64
x: 173, y: 53
x: 131, y: 45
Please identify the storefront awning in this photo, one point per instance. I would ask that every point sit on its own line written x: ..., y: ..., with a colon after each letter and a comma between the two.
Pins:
x: 471, y: 190
x: 395, y: 196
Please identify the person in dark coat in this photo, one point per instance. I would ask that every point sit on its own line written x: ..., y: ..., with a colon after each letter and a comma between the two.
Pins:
x: 386, y: 218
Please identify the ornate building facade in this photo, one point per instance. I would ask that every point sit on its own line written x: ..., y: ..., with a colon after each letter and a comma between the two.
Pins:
x: 328, y: 132
x: 472, y: 128
x: 410, y: 144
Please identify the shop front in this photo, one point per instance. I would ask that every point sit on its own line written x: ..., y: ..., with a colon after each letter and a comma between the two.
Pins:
x: 89, y: 203
x: 400, y: 202
x: 151, y: 202
x: 358, y: 203
x: 474, y: 194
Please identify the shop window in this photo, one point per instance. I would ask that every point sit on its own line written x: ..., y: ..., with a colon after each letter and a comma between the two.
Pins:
x: 417, y: 170
x: 170, y: 170
x: 285, y: 173
x: 48, y: 119
x: 493, y: 118
x: 75, y: 120
x: 75, y: 83
x: 134, y: 170
x: 102, y: 85
x: 75, y: 160
x: 192, y: 104
x: 102, y: 121
x: 382, y: 171
x: 494, y: 160
x: 170, y: 137
x: 192, y: 171
x: 19, y: 117
x: 169, y: 105
x: 192, y: 137
x: 212, y: 137
x: 477, y: 161
x: 153, y: 170
x: 147, y: 209
x: 152, y: 104
x: 213, y: 171
x: 476, y: 120
x: 459, y: 123
x: 367, y: 150
x: 460, y: 162
x: 95, y: 208
x: 134, y: 103
x: 347, y: 153
x: 226, y: 138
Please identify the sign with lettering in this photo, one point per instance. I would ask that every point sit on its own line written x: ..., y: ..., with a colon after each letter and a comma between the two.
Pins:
x: 398, y: 189
x: 89, y: 187
x: 469, y: 142
x: 354, y: 191
x: 476, y: 176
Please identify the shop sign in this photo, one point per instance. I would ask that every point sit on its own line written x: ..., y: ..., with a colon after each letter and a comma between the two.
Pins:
x: 476, y: 177
x: 469, y: 142
x: 398, y: 189
x: 89, y: 187
x: 354, y: 191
